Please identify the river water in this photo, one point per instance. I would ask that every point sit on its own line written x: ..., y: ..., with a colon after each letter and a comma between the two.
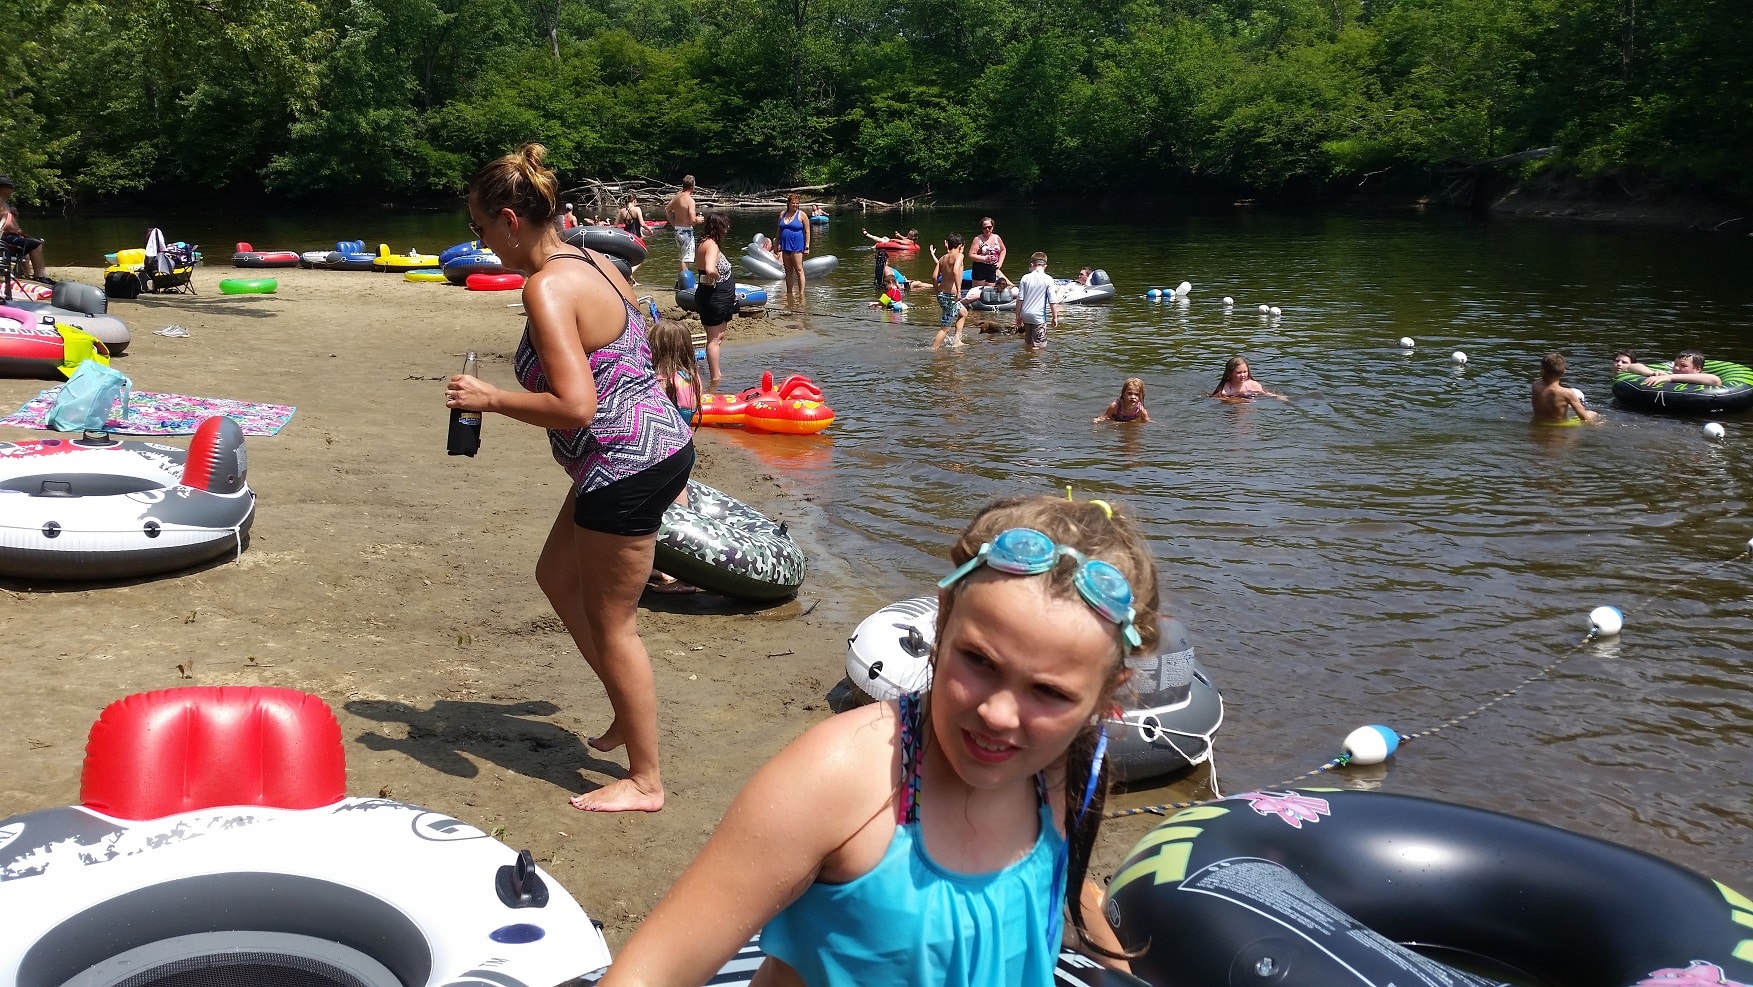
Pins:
x: 1394, y: 544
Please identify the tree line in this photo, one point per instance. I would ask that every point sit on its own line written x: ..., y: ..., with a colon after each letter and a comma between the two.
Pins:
x: 403, y: 98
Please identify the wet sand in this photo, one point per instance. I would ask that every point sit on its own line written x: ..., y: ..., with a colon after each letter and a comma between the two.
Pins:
x: 396, y: 583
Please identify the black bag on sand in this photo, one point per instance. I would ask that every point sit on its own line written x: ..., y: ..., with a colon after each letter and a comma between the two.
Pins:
x: 121, y: 284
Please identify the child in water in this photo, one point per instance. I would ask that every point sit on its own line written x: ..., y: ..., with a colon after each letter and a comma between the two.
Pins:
x: 672, y: 354
x: 1129, y: 407
x: 1238, y: 383
x: 943, y: 838
x: 1553, y: 402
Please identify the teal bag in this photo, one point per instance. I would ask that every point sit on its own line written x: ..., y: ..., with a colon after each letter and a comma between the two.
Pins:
x: 86, y: 400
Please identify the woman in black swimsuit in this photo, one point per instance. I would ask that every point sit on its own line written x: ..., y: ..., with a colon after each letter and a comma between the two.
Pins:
x: 716, y: 291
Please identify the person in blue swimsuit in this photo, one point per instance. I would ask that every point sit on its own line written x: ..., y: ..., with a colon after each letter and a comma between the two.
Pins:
x: 943, y: 838
x: 794, y: 243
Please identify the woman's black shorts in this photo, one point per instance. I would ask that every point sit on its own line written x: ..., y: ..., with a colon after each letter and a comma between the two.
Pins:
x: 634, y: 505
x: 718, y: 303
x: 985, y: 272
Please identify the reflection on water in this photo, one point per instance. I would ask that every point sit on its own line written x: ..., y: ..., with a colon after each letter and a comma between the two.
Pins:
x: 1395, y: 544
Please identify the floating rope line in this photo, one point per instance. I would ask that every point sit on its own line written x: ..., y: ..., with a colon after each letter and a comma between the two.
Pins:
x: 1380, y: 743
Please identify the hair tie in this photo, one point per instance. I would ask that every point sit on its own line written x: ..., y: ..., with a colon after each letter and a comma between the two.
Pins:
x: 1106, y: 508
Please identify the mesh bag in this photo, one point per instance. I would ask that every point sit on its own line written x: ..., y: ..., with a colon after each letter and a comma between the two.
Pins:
x: 85, y: 401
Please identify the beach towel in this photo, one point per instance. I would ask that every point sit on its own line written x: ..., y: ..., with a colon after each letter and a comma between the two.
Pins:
x: 150, y: 413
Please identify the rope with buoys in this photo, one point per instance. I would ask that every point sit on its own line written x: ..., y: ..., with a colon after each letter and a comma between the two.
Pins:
x: 1374, y: 743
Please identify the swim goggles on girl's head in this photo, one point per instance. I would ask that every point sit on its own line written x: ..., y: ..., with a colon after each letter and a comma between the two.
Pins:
x: 1027, y: 552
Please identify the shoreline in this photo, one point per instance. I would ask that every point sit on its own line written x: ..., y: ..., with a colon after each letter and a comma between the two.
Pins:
x: 397, y: 584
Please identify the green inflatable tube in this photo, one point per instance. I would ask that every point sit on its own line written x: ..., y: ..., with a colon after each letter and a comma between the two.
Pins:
x: 248, y: 286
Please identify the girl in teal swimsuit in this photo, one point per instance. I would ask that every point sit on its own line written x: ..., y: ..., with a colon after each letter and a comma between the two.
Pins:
x: 944, y: 838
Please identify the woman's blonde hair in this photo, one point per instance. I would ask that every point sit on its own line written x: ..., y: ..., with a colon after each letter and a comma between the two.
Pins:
x: 520, y: 181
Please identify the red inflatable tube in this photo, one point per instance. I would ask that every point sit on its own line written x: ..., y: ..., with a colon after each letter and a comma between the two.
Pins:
x: 156, y: 754
x: 796, y: 386
x: 896, y: 246
x: 494, y: 282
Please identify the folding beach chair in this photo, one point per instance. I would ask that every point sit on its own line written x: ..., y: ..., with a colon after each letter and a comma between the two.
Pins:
x: 169, y: 267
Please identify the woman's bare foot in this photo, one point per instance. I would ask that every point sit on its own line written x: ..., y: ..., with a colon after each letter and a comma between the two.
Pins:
x: 625, y: 795
x: 610, y: 740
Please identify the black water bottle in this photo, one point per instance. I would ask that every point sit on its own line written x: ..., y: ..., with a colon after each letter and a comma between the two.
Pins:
x: 465, y: 426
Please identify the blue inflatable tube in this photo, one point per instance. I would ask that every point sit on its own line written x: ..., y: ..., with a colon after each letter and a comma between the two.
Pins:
x: 458, y: 268
x: 456, y: 250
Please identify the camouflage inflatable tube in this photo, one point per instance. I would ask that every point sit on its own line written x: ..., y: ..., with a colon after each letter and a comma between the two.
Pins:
x: 723, y: 545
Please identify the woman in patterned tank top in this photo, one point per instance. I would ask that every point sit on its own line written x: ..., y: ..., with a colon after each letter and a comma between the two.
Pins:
x: 585, y: 365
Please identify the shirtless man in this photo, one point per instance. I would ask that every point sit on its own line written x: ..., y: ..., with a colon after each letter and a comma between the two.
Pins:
x: 683, y: 214
x: 1688, y: 369
x: 1554, y: 402
x: 949, y: 289
x: 987, y: 255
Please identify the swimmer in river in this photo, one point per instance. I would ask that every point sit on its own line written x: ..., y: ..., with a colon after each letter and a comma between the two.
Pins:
x: 1554, y: 403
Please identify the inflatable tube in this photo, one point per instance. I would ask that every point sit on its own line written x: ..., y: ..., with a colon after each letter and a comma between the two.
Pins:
x: 1178, y: 708
x: 253, y: 885
x: 30, y: 347
x: 458, y: 268
x: 314, y: 258
x: 748, y: 299
x: 494, y: 282
x: 413, y: 260
x: 76, y: 512
x: 85, y: 299
x: 1735, y: 393
x: 720, y: 544
x: 896, y: 246
x: 107, y: 329
x: 456, y: 250
x: 610, y: 240
x: 819, y: 220
x: 350, y: 260
x: 1318, y: 887
x: 1100, y: 289
x: 994, y: 299
x: 761, y: 262
x: 425, y: 277
x: 795, y: 417
x: 722, y: 410
x: 248, y: 256
x: 248, y: 286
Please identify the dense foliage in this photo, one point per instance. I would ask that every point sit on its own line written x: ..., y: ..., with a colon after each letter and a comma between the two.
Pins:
x: 404, y: 97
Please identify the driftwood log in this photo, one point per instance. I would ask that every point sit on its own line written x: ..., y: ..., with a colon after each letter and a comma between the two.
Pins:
x: 604, y: 197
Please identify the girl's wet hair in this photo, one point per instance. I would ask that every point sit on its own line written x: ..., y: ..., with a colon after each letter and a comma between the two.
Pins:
x: 1132, y: 385
x: 520, y: 181
x: 1229, y: 371
x: 672, y: 349
x: 1100, y: 533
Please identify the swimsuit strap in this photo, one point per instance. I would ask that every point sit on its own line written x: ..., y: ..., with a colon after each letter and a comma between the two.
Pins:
x: 913, y: 727
x: 912, y: 744
x: 587, y: 258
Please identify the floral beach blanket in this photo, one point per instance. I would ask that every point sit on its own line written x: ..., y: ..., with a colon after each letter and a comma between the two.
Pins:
x: 150, y: 413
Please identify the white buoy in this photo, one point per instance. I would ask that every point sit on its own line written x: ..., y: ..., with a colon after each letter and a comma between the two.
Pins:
x: 1713, y: 430
x: 1406, y: 342
x: 1228, y: 301
x: 1606, y: 621
x: 1372, y: 744
x: 1184, y: 288
x: 1154, y: 294
x: 1265, y: 310
x: 1277, y: 311
x: 1459, y: 357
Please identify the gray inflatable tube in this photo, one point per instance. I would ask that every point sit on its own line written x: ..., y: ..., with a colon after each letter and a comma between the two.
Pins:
x: 70, y: 510
x: 760, y: 262
x: 610, y: 240
x: 723, y: 545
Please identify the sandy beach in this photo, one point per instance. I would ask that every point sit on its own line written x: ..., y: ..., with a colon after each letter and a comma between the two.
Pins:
x: 395, y: 582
